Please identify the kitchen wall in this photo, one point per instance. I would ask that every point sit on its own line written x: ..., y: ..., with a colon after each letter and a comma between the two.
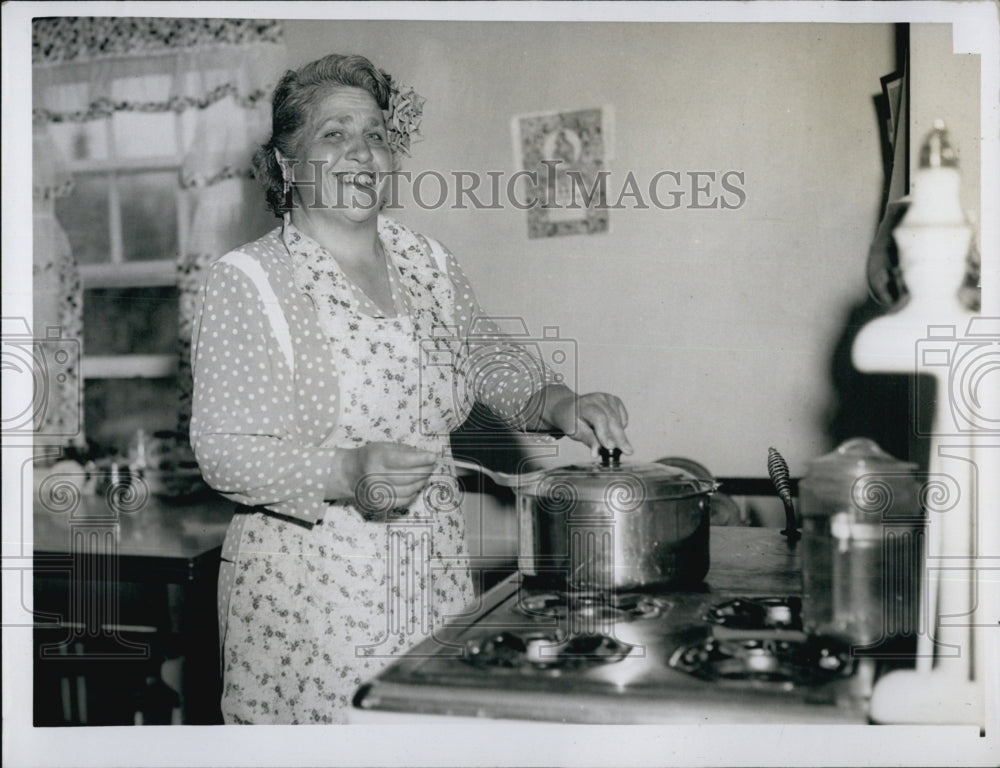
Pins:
x: 949, y: 90
x: 717, y: 327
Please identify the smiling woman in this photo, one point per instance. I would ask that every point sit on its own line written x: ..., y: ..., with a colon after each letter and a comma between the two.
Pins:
x: 332, y: 359
x: 343, y: 156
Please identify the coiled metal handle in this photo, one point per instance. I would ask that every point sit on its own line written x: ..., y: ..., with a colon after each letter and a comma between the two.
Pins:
x: 778, y: 470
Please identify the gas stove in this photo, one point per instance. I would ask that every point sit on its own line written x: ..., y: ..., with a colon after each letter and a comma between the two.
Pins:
x: 733, y: 651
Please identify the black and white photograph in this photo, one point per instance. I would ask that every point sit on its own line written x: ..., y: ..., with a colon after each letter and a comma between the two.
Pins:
x: 501, y: 383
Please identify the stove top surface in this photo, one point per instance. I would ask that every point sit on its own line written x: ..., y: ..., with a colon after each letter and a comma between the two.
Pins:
x: 714, y: 655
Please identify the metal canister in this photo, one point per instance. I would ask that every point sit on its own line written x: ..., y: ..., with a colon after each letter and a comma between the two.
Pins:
x: 862, y: 536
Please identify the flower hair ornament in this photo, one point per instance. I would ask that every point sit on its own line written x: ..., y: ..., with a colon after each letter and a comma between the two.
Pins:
x: 403, y: 117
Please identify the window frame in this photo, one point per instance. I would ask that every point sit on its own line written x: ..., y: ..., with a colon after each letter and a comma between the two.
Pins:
x: 116, y: 272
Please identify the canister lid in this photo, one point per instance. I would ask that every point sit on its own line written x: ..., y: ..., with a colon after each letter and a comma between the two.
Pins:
x: 856, y: 457
x: 858, y: 474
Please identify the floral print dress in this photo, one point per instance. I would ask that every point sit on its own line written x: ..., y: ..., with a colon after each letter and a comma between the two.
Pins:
x: 314, y: 598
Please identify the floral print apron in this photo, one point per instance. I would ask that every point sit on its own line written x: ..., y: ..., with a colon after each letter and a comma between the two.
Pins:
x: 316, y: 611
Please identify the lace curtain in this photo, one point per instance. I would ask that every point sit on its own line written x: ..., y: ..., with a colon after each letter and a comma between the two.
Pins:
x: 57, y: 305
x: 88, y: 69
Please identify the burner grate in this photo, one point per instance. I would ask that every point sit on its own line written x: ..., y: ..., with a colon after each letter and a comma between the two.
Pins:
x: 549, y: 651
x: 758, y: 613
x: 596, y: 606
x: 768, y: 661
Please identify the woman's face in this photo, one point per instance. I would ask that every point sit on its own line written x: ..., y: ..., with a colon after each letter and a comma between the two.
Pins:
x: 345, y: 144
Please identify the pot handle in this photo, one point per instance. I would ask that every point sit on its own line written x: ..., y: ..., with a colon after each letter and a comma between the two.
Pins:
x: 526, y: 536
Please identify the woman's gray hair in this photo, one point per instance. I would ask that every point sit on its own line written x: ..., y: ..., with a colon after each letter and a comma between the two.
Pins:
x: 294, y: 96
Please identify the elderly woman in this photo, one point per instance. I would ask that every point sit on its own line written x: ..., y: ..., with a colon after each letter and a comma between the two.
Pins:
x: 328, y: 378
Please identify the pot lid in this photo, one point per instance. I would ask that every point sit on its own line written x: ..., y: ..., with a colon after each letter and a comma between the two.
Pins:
x: 623, y: 485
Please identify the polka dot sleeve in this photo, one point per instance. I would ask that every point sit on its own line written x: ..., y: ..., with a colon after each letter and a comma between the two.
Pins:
x: 502, y: 374
x: 242, y: 410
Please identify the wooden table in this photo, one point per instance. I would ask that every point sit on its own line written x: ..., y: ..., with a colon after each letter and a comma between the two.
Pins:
x: 121, y: 587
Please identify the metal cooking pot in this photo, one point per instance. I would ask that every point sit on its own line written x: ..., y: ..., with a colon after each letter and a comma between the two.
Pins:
x: 609, y: 525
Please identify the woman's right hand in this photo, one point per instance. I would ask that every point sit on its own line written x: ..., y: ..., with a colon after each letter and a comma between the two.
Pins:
x: 387, y: 476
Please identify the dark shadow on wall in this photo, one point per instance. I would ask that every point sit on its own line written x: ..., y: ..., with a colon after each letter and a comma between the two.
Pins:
x: 879, y: 406
x: 485, y: 439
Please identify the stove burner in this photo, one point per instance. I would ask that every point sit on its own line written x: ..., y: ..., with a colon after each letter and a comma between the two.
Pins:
x: 758, y: 613
x: 544, y: 651
x: 783, y: 663
x: 599, y: 607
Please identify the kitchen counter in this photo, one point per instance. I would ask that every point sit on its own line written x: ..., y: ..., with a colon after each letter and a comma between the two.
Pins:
x: 438, y: 679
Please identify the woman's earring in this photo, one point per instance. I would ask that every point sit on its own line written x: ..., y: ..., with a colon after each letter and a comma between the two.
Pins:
x: 287, y: 191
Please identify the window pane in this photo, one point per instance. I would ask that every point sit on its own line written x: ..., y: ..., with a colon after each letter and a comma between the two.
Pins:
x: 123, y: 321
x: 81, y: 141
x: 84, y: 216
x: 145, y: 134
x: 115, y: 409
x: 149, y: 215
x: 189, y: 120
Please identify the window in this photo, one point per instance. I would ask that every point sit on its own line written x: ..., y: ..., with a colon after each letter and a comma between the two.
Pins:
x: 144, y: 129
x: 125, y: 221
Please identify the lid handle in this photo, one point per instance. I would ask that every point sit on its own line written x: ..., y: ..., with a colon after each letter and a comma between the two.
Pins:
x: 610, y: 458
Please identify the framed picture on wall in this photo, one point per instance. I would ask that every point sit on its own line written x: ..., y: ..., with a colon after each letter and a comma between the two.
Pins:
x: 562, y: 158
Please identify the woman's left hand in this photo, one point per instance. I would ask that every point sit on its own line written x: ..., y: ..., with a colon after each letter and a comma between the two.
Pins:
x: 596, y: 419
